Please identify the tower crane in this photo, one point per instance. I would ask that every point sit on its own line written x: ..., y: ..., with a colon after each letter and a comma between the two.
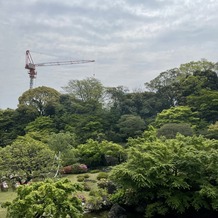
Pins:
x: 31, y: 66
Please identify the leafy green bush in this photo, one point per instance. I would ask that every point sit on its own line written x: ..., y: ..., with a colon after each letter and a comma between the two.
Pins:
x: 80, y: 178
x: 86, y: 176
x: 102, y: 175
x: 86, y: 187
x: 92, y: 193
x: 79, y: 168
x: 98, y: 200
x: 107, y: 185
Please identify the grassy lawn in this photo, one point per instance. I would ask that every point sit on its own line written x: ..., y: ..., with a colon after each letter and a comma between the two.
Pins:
x: 10, y: 195
x: 6, y: 196
x: 89, y: 182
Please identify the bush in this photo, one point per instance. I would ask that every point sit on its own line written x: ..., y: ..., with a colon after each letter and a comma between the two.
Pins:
x: 34, y: 200
x: 102, y: 175
x: 98, y: 200
x: 79, y: 168
x: 108, y: 185
x: 102, y: 183
x: 66, y: 170
x: 86, y: 187
x: 80, y: 178
x: 74, y: 169
x: 86, y: 176
x: 93, y: 193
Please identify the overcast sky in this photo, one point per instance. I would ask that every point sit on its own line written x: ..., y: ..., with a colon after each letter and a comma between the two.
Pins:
x: 131, y: 41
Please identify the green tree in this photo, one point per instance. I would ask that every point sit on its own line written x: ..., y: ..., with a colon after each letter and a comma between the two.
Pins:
x: 174, y: 85
x: 193, y: 66
x: 90, y: 127
x: 164, y: 79
x: 170, y: 177
x: 42, y: 124
x: 43, y: 99
x: 94, y: 153
x: 115, y: 96
x: 193, y: 85
x: 89, y: 89
x: 165, y: 87
x: 212, y: 131
x: 90, y: 153
x: 46, y: 199
x: 7, y: 125
x: 64, y: 144
x: 211, y: 79
x: 24, y: 115
x: 26, y: 157
x: 13, y: 122
x: 170, y: 130
x: 179, y: 114
x: 113, y: 153
x: 130, y: 126
x: 205, y: 104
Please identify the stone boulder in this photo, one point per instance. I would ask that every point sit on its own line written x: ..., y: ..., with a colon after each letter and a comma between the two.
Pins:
x: 117, y: 211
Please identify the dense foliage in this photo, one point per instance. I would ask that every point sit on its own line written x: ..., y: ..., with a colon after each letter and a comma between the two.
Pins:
x: 173, y: 176
x: 26, y: 158
x: 188, y: 94
x: 154, y: 167
x: 104, y: 153
x: 46, y: 199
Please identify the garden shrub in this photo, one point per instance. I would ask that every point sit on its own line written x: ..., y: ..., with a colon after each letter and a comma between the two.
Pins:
x: 80, y: 178
x: 66, y: 170
x: 102, y: 175
x: 107, y: 184
x: 79, y: 168
x: 86, y: 176
x: 86, y: 187
x: 74, y: 169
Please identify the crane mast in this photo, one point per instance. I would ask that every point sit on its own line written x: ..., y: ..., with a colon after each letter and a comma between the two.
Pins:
x: 31, y: 66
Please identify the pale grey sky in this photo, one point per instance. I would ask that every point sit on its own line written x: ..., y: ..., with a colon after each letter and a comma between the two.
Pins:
x: 132, y: 41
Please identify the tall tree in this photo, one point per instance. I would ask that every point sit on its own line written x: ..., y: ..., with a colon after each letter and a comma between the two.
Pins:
x: 89, y: 89
x: 193, y: 66
x: 44, y: 99
x: 13, y: 123
x: 165, y: 86
x: 7, y: 125
x: 206, y: 104
x: 27, y: 157
x: 164, y: 79
x: 194, y: 83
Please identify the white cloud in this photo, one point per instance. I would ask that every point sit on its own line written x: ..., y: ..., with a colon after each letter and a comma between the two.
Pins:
x: 132, y: 41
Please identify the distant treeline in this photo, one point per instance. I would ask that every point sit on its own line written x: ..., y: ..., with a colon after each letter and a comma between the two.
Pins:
x: 183, y: 99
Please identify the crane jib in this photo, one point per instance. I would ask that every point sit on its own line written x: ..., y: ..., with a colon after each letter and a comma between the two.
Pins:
x: 32, y: 67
